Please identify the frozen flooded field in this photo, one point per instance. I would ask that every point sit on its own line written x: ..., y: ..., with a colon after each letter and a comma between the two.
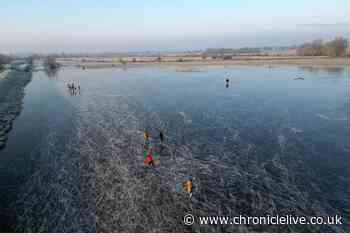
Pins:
x: 266, y: 144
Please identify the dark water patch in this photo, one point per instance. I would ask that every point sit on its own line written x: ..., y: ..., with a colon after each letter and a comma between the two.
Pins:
x: 11, y: 96
x: 44, y: 113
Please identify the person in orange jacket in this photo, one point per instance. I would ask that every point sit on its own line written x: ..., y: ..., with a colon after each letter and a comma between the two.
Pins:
x: 188, y: 186
x: 146, y: 135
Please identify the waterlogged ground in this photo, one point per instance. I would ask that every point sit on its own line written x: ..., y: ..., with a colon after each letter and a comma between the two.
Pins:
x: 265, y: 145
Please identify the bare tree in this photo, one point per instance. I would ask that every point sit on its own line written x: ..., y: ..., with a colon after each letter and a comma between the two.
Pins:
x: 50, y: 62
x: 317, y: 46
x: 4, y: 60
x: 180, y: 60
x: 311, y: 49
x: 336, y: 47
x: 30, y: 59
x: 227, y: 57
x: 122, y: 61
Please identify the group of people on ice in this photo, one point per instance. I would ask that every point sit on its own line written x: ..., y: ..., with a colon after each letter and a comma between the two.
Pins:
x: 73, y: 88
x: 151, y: 153
x: 150, y: 150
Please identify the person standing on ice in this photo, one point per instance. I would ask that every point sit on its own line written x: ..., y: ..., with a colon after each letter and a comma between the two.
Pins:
x: 149, y: 160
x: 146, y: 135
x: 188, y: 186
x: 161, y: 136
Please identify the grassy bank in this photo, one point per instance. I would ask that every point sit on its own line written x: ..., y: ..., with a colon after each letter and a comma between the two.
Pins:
x: 197, y: 62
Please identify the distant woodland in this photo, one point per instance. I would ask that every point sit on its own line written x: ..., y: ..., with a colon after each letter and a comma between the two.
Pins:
x: 333, y: 48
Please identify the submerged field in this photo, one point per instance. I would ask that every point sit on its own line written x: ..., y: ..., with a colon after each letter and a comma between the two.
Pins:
x: 266, y: 144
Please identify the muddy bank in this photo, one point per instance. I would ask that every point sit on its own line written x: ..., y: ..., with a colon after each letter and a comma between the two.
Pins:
x: 11, y: 96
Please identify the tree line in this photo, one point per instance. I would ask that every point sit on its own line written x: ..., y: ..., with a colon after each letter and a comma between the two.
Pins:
x: 334, y: 48
x: 4, y: 60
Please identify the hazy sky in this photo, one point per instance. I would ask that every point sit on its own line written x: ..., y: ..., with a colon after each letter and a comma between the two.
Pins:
x: 140, y: 25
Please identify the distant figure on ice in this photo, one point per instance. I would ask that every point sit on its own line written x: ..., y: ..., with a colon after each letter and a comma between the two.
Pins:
x: 227, y: 82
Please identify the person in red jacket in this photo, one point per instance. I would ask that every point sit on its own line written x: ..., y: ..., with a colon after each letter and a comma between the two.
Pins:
x: 149, y: 160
